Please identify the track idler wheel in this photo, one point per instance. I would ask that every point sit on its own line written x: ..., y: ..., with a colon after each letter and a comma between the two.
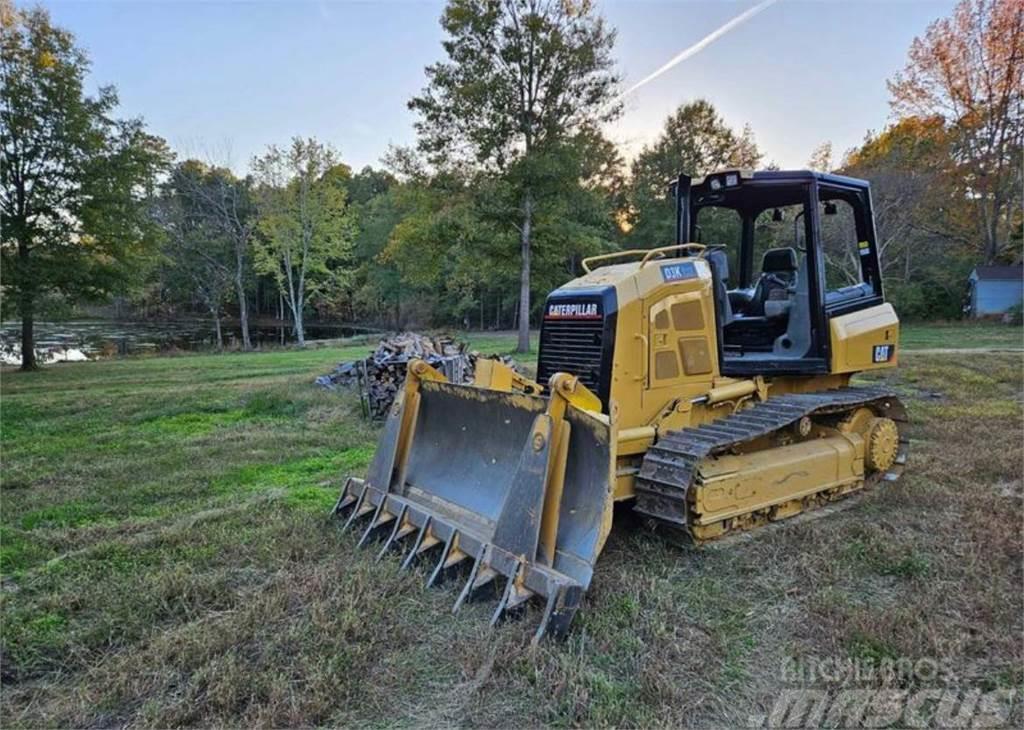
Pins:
x: 882, y: 443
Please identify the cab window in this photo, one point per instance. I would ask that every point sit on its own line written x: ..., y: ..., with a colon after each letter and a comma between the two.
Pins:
x: 781, y: 227
x: 718, y: 226
x: 847, y: 245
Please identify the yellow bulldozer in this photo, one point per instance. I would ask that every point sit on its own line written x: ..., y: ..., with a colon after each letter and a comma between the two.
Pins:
x: 710, y: 402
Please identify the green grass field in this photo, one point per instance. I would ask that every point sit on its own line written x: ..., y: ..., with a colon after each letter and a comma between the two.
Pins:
x: 956, y: 335
x: 167, y: 560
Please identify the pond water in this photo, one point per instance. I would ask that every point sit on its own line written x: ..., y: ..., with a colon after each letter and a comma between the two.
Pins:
x: 88, y: 339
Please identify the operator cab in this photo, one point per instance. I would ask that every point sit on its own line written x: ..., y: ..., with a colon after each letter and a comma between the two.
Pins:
x: 788, y: 250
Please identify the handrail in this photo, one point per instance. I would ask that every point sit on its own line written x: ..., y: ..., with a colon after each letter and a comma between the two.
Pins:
x: 658, y: 251
x: 647, y: 253
x: 614, y: 255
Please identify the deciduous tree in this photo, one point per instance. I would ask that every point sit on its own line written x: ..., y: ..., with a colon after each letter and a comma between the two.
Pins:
x: 924, y: 222
x: 821, y: 158
x: 76, y: 182
x: 695, y: 140
x: 225, y: 204
x: 199, y: 255
x: 306, y: 227
x: 377, y: 292
x: 521, y: 77
x: 968, y: 70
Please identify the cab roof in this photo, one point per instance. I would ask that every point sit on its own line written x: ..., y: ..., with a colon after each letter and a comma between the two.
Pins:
x: 786, y: 175
x: 826, y: 177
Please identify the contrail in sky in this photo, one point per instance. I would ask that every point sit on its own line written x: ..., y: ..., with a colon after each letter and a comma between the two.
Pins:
x: 702, y: 44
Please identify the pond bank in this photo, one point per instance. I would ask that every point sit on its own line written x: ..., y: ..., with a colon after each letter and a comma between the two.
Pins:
x: 89, y: 339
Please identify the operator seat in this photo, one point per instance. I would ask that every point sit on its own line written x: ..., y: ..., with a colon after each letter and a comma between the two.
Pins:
x: 796, y: 342
x: 778, y: 278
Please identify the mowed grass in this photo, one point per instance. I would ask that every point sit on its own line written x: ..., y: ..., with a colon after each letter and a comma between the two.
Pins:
x: 961, y: 335
x: 167, y: 560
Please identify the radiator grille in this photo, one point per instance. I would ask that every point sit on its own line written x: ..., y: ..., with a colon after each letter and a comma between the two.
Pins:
x: 572, y: 346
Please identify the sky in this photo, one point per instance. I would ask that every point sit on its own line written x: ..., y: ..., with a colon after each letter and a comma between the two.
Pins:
x: 222, y: 80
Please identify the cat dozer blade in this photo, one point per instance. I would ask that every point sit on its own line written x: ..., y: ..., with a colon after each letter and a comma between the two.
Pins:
x: 512, y: 487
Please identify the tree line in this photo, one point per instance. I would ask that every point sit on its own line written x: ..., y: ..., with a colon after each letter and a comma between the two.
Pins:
x: 511, y: 183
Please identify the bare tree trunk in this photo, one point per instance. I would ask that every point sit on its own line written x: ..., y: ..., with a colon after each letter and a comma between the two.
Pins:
x: 398, y: 307
x: 300, y: 332
x: 992, y: 236
x: 220, y: 334
x: 243, y: 311
x: 296, y: 310
x: 524, y: 276
x: 28, y: 336
x: 27, y: 306
x: 295, y: 299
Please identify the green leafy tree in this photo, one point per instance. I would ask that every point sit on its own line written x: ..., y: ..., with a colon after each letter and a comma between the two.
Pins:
x: 580, y: 203
x: 695, y: 140
x: 521, y: 77
x: 376, y: 292
x: 76, y: 182
x: 450, y: 246
x: 306, y: 225
x: 368, y: 185
x: 449, y: 249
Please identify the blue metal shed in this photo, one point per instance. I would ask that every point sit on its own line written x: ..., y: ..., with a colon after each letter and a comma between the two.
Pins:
x: 995, y: 289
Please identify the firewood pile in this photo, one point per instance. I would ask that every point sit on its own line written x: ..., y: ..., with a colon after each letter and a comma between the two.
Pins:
x: 379, y: 376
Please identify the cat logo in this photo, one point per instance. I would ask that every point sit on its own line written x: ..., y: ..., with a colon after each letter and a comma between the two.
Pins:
x: 573, y: 310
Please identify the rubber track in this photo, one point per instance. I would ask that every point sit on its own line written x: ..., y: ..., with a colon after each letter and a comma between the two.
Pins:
x: 669, y: 467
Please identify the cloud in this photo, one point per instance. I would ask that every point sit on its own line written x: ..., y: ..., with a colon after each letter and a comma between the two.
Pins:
x: 702, y: 44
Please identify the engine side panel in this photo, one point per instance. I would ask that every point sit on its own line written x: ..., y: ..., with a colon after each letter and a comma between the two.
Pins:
x: 865, y: 340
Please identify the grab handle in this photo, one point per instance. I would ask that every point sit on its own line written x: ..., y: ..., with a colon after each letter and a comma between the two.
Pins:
x: 644, y: 357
